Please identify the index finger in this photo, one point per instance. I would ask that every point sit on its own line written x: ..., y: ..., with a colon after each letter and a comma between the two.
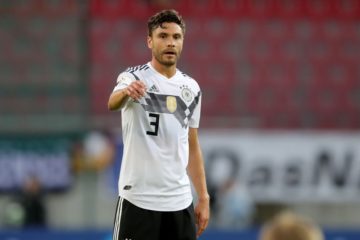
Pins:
x: 140, y: 84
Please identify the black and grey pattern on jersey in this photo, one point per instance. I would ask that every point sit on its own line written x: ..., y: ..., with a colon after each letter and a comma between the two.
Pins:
x: 137, y: 68
x: 157, y: 103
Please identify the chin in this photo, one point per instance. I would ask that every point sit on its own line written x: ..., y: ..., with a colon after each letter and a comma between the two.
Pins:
x: 168, y: 63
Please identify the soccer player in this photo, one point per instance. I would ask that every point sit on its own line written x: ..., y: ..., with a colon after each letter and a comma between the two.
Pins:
x: 289, y: 226
x: 160, y: 109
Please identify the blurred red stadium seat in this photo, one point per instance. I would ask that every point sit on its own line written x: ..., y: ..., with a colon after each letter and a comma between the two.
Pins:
x: 279, y: 63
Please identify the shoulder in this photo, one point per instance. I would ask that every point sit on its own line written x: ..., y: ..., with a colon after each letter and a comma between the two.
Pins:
x: 133, y: 72
x: 138, y: 68
x: 190, y: 81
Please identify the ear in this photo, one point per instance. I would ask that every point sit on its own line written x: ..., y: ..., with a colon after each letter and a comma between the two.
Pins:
x: 149, y: 42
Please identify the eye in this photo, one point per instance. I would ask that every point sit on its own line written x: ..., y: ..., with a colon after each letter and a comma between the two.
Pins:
x: 177, y: 36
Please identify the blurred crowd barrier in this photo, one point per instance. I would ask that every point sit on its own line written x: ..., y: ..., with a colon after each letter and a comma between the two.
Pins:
x: 251, y: 176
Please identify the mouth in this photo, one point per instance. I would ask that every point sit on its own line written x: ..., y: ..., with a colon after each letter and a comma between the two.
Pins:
x: 170, y: 53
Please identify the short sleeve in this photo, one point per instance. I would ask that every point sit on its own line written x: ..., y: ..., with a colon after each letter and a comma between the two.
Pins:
x: 124, y: 79
x: 194, y: 121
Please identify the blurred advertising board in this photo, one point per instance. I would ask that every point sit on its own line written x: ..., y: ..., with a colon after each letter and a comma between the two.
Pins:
x: 285, y: 166
x: 44, y: 157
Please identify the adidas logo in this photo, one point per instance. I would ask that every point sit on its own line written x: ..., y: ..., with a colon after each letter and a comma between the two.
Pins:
x: 153, y: 88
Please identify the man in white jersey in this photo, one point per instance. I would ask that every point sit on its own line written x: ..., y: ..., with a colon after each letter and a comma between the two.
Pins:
x: 160, y: 109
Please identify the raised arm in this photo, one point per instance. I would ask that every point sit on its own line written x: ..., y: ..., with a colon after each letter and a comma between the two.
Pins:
x: 117, y: 98
x: 196, y: 172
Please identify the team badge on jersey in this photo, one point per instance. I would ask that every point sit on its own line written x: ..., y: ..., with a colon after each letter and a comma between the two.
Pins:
x: 186, y: 94
x: 124, y: 80
x: 171, y: 103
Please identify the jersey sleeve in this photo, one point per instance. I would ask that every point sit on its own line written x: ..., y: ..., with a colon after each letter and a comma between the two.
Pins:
x: 124, y: 79
x: 194, y: 121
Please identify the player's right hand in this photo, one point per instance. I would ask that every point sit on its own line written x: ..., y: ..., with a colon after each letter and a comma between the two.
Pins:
x: 136, y: 90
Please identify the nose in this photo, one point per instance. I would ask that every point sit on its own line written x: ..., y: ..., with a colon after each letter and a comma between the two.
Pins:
x: 171, y: 43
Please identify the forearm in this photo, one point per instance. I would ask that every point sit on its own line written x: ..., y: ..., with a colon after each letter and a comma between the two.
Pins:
x: 196, y: 172
x: 196, y: 169
x: 117, y: 99
x: 134, y: 90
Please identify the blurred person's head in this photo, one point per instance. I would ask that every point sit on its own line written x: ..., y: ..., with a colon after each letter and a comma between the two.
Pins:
x: 32, y: 185
x: 289, y: 226
x: 166, y: 30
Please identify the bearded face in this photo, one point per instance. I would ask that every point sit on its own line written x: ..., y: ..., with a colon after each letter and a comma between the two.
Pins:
x: 166, y: 43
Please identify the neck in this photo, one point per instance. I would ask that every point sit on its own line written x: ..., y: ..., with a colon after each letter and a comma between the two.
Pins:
x: 167, y: 71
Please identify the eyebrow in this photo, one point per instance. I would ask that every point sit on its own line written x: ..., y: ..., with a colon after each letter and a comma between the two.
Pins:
x: 174, y: 34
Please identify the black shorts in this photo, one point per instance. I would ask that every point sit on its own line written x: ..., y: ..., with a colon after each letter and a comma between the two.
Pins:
x: 134, y: 223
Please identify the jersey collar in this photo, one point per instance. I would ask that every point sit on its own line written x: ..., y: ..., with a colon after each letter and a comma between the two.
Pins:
x: 162, y: 76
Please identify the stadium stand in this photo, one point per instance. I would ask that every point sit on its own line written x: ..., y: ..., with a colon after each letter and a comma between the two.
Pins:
x: 42, y: 80
x: 262, y: 64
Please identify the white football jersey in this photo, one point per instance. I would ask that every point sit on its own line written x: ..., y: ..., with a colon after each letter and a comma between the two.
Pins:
x: 155, y: 133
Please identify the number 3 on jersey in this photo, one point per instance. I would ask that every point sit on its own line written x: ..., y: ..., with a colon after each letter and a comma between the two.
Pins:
x: 154, y: 124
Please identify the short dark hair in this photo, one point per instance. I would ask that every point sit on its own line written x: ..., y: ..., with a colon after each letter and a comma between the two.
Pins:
x: 169, y: 16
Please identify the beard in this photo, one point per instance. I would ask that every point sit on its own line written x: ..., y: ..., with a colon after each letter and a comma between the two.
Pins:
x: 162, y: 59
